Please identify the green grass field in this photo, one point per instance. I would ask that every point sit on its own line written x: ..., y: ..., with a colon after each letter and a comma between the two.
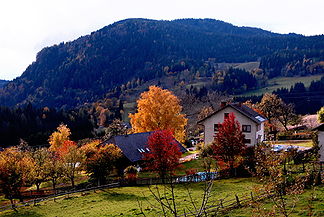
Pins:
x: 283, y: 82
x: 305, y: 143
x: 124, y: 201
x: 298, y: 205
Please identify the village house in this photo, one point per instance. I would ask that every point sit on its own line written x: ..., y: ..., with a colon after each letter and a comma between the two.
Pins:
x: 320, y: 133
x: 252, y: 123
x: 133, y: 146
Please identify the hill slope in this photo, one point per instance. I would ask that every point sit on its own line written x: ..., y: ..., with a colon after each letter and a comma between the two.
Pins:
x: 3, y: 83
x: 83, y: 70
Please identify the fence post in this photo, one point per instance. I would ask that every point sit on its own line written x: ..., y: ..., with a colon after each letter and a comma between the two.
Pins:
x: 285, y: 169
x: 237, y: 200
x: 252, y: 196
x: 303, y: 166
x: 221, y: 203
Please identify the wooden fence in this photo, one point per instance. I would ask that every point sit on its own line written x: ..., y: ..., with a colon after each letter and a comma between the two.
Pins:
x: 220, y: 205
x: 45, y: 195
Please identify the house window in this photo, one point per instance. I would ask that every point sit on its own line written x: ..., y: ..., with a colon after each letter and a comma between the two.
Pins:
x: 226, y: 115
x: 247, y: 141
x: 246, y: 128
x: 216, y: 127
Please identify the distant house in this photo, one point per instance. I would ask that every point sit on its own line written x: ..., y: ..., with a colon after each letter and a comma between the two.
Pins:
x: 252, y: 123
x: 134, y: 145
x: 320, y: 130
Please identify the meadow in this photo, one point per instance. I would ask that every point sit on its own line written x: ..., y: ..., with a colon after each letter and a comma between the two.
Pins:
x: 283, y: 82
x: 126, y: 201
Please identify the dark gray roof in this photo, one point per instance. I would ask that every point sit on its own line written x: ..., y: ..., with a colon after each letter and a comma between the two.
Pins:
x: 243, y: 109
x: 319, y: 127
x: 133, y: 145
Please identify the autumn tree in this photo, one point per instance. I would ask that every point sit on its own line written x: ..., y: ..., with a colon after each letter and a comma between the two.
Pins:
x: 269, y: 105
x: 59, y: 137
x: 117, y: 127
x: 164, y: 153
x: 205, y: 111
x: 40, y: 157
x: 228, y: 145
x: 159, y: 109
x: 90, y: 148
x: 15, y: 172
x: 320, y: 115
x: 276, y: 181
x: 54, y: 168
x: 286, y: 114
x: 73, y: 158
x: 102, y: 161
x: 130, y: 172
x: 275, y: 109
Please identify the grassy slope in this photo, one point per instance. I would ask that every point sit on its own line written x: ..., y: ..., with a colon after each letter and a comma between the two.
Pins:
x: 124, y: 201
x: 283, y: 82
x: 305, y: 143
x: 303, y: 202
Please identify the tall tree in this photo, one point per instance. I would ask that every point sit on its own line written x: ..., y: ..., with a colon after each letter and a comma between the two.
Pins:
x: 275, y: 109
x: 59, y: 137
x: 229, y: 145
x: 15, y: 172
x: 117, y: 127
x: 54, y: 168
x: 164, y: 153
x: 286, y: 114
x: 73, y: 158
x: 102, y: 161
x: 159, y: 109
x: 39, y: 172
x: 269, y: 106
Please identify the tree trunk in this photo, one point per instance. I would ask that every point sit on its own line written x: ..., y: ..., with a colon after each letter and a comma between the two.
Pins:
x: 13, y: 205
x: 232, y: 169
x: 37, y: 186
x: 72, y: 182
x: 54, y: 184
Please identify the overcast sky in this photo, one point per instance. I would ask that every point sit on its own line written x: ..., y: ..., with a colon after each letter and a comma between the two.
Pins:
x: 29, y: 25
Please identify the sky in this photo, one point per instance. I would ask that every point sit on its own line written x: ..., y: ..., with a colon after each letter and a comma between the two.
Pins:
x: 26, y: 26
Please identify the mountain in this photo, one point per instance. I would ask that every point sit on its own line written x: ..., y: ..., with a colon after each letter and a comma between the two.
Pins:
x: 136, y: 50
x: 3, y: 83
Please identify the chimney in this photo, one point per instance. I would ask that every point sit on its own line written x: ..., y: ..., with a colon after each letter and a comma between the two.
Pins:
x: 223, y: 104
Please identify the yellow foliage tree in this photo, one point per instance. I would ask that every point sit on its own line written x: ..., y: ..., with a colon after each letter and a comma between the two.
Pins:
x: 15, y: 172
x: 57, y: 138
x: 159, y: 109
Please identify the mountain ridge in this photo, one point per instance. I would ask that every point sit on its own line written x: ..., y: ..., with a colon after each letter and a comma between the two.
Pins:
x: 72, y: 73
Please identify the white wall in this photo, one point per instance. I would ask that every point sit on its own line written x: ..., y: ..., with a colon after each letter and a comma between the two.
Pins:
x: 242, y: 119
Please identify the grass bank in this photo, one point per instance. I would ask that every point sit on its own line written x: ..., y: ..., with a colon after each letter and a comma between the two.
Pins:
x: 125, y: 201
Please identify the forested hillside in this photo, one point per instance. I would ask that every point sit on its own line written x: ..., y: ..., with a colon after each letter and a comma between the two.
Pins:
x: 130, y: 52
x: 3, y: 83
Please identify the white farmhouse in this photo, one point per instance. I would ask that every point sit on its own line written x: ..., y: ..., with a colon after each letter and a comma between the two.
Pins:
x: 320, y: 133
x: 252, y: 123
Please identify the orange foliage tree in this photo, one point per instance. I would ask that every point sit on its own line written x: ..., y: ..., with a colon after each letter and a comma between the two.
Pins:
x: 101, y: 161
x: 228, y: 145
x: 164, y: 154
x: 72, y: 158
x: 59, y: 137
x: 15, y: 172
x: 159, y: 109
